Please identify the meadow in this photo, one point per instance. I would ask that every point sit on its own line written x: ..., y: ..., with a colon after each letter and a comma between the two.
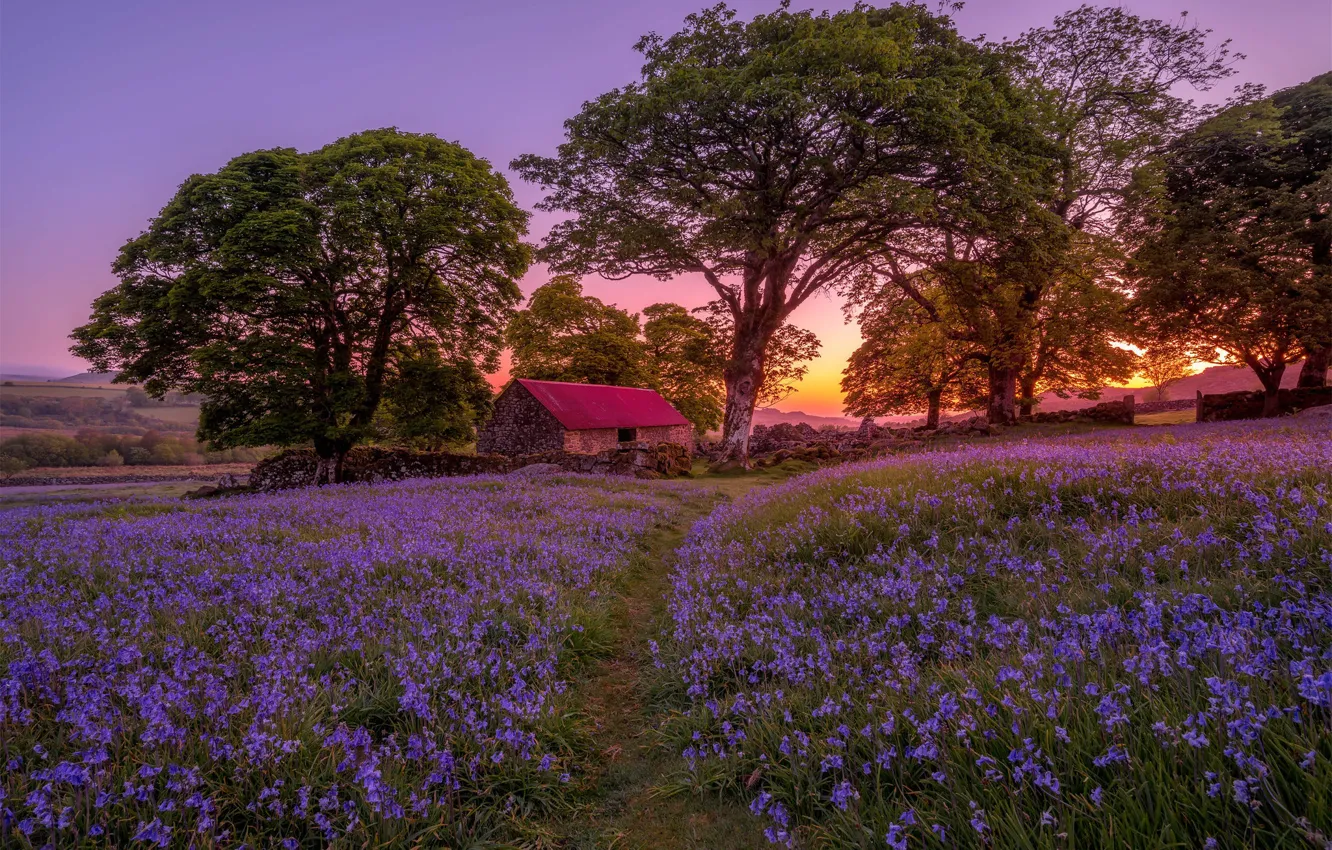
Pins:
x: 376, y: 666
x: 1094, y: 642
x: 1120, y: 638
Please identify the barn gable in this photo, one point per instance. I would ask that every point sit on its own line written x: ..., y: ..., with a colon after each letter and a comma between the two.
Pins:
x: 520, y: 424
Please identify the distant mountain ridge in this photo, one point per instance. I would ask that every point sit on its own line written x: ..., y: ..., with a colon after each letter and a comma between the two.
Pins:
x: 87, y: 378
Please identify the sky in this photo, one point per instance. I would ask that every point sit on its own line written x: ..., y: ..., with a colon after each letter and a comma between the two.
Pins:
x: 106, y: 107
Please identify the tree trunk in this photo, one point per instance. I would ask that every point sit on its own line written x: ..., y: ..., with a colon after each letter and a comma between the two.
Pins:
x: 932, y: 414
x: 743, y: 375
x: 1271, y: 380
x: 1028, y: 398
x: 1002, y: 408
x: 1314, y: 371
x: 331, y: 456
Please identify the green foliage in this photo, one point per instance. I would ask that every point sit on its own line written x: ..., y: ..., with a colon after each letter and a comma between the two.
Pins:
x: 687, y: 363
x: 770, y: 156
x: 564, y: 335
x: 1235, y: 241
x: 281, y: 286
x: 911, y: 360
x: 11, y: 466
x: 432, y: 404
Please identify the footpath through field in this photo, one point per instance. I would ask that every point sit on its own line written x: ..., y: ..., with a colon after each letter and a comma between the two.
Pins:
x: 635, y: 805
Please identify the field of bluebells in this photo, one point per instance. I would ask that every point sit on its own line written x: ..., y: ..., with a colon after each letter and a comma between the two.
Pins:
x: 365, y: 666
x: 1091, y: 642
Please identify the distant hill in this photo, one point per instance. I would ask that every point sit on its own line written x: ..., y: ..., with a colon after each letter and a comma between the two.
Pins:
x: 87, y: 378
x: 1213, y: 379
x: 773, y: 416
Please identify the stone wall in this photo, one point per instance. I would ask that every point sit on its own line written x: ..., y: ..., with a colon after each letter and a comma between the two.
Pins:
x: 520, y: 425
x: 1164, y: 406
x: 296, y: 467
x: 1224, y: 407
x: 681, y: 435
x: 591, y: 441
x: 1120, y: 412
x: 595, y: 440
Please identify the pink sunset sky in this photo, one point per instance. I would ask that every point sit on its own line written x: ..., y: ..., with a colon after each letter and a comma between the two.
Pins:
x: 106, y: 107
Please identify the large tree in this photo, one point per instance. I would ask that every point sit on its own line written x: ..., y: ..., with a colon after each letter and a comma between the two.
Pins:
x: 769, y: 157
x: 564, y: 335
x: 282, y: 287
x: 1105, y: 84
x: 1235, y: 237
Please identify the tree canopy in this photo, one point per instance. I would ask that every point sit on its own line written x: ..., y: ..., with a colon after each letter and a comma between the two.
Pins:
x: 564, y: 335
x: 769, y: 157
x: 284, y: 286
x: 1102, y: 94
x: 1235, y: 251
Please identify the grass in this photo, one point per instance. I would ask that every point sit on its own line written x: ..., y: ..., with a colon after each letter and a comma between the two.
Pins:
x: 820, y: 625
x: 1167, y: 417
x: 836, y: 540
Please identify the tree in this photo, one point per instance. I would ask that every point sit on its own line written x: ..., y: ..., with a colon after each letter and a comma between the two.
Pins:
x: 1105, y: 81
x: 785, y: 360
x: 1077, y: 336
x: 432, y: 403
x: 281, y: 286
x: 1305, y: 161
x: 910, y: 360
x: 769, y: 157
x: 1234, y: 237
x: 1163, y: 366
x: 564, y: 335
x: 687, y: 363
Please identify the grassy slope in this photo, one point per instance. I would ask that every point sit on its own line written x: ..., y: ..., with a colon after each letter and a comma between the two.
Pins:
x: 1166, y: 799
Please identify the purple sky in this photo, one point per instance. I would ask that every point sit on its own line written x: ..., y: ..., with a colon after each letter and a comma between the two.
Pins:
x: 106, y: 106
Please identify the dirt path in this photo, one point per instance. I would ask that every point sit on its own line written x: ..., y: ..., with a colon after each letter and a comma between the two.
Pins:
x: 630, y: 809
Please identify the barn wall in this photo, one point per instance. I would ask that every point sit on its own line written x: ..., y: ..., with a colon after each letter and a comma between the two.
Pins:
x: 681, y: 435
x: 520, y: 425
x: 591, y: 441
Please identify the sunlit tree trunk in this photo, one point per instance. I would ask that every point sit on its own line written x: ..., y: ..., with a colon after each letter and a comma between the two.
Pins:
x: 744, y: 377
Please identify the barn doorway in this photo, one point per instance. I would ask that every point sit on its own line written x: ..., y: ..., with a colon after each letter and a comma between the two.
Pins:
x: 627, y: 435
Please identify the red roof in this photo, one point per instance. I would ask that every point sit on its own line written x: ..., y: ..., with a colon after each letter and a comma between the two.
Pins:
x: 579, y: 407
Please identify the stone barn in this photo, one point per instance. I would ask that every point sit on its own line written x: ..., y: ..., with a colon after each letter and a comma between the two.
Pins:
x: 543, y: 416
